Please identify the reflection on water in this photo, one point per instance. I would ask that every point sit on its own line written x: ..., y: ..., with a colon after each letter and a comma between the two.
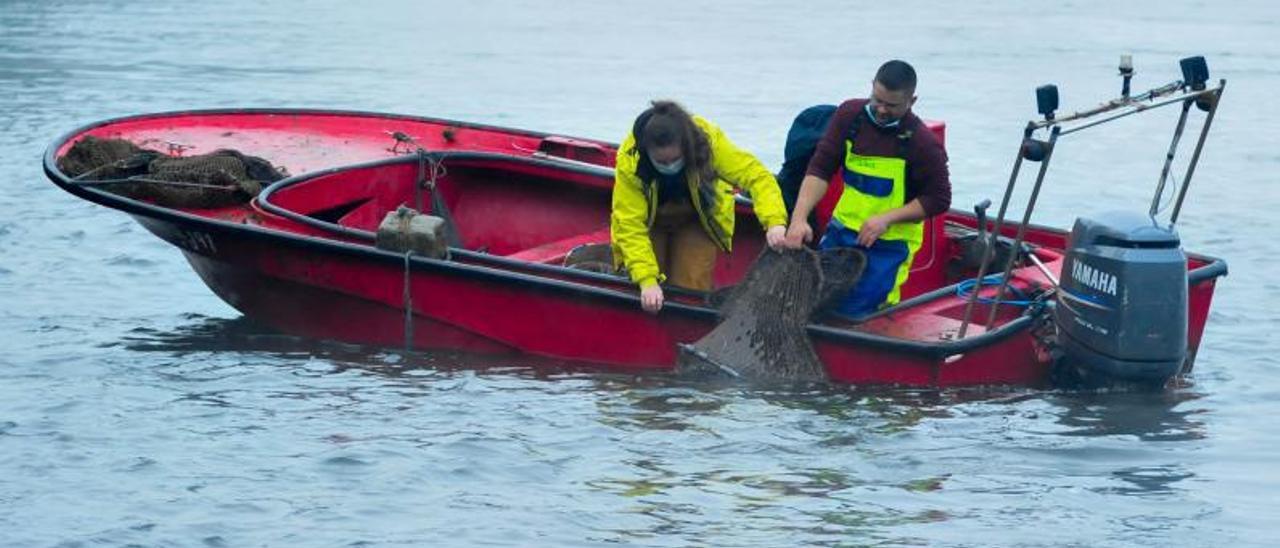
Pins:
x: 1150, y: 480
x: 203, y: 334
x: 1160, y: 416
x: 667, y: 402
x: 654, y: 458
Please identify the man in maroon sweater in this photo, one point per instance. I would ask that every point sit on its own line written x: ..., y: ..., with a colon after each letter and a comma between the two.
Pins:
x: 895, y: 176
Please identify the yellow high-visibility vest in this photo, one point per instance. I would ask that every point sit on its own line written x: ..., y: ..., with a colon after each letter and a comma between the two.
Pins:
x: 874, y: 185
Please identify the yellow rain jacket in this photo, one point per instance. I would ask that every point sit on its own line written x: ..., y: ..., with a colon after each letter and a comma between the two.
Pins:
x: 635, y: 203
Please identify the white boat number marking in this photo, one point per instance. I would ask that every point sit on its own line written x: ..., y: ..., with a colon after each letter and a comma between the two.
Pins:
x: 199, y: 242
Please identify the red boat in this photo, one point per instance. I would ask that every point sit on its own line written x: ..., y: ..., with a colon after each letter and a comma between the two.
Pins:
x: 301, y: 256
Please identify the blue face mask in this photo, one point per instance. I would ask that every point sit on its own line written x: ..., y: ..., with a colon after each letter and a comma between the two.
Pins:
x: 668, y: 169
x: 882, y: 125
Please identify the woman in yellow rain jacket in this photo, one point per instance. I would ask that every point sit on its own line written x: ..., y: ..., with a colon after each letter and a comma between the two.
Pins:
x: 673, y: 208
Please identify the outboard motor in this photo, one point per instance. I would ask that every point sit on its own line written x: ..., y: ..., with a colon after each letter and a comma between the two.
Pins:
x: 1123, y: 309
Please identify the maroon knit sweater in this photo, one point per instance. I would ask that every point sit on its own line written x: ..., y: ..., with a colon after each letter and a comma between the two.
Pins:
x: 927, y: 176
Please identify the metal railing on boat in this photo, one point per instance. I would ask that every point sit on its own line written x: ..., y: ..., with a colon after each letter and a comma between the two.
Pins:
x: 1192, y: 89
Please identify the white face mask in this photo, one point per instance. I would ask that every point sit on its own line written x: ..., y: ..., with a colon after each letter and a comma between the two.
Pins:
x: 668, y: 169
x: 883, y: 124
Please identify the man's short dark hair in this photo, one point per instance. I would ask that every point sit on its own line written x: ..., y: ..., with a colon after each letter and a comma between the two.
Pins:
x: 897, y: 76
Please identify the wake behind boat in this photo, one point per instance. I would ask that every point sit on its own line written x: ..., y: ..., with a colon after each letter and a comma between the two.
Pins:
x: 302, y: 255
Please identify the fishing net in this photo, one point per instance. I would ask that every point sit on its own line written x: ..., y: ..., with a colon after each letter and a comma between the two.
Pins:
x: 761, y: 334
x: 591, y: 257
x: 217, y: 179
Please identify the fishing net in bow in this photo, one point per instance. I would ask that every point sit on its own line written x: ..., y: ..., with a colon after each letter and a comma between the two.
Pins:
x: 761, y: 334
x: 217, y: 179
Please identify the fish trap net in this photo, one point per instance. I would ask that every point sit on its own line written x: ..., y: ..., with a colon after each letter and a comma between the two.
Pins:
x: 761, y: 334
x: 218, y: 179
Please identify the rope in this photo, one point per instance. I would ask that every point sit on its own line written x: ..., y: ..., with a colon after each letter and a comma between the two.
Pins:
x: 524, y: 149
x: 157, y: 182
x: 438, y: 207
x: 964, y: 288
x: 1169, y: 200
x: 408, y: 305
x: 116, y: 164
x: 421, y: 180
x: 438, y: 170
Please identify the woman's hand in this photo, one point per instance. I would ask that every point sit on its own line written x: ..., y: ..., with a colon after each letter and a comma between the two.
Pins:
x: 799, y: 234
x: 776, y: 236
x: 651, y: 299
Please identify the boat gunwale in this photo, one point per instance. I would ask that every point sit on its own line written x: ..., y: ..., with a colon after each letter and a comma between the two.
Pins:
x: 177, y: 114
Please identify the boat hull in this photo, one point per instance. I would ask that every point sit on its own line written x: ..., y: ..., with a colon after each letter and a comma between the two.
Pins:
x: 331, y: 283
x: 343, y: 292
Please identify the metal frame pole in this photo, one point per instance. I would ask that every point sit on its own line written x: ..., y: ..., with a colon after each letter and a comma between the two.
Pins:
x: 1195, y: 156
x: 1022, y: 228
x: 1168, y: 158
x: 993, y: 237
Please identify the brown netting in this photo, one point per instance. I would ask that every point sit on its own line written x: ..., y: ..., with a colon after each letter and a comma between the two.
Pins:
x: 761, y: 334
x: 591, y: 257
x: 97, y: 159
x: 217, y: 179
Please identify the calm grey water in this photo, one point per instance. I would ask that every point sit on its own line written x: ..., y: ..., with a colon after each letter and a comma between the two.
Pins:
x: 138, y: 409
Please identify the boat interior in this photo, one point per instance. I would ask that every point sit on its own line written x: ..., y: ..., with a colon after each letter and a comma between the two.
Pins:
x: 523, y: 214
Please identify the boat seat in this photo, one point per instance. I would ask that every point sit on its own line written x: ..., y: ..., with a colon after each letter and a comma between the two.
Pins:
x: 554, y: 252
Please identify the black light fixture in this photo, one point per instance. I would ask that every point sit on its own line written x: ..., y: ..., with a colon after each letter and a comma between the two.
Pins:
x: 1047, y: 100
x: 1195, y: 72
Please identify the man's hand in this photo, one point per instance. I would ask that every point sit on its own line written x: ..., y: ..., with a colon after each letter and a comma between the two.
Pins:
x: 872, y: 229
x: 651, y: 299
x: 799, y: 234
x: 776, y: 236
